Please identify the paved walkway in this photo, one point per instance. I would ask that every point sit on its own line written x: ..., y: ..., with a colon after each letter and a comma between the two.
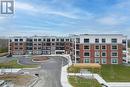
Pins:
x: 64, y: 74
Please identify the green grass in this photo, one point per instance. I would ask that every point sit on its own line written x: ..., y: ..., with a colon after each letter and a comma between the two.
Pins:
x: 82, y: 82
x: 3, y: 50
x: 111, y: 73
x: 14, y: 64
x: 116, y: 73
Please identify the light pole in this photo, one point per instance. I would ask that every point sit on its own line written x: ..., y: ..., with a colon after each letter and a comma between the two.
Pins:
x: 75, y: 48
x: 127, y: 50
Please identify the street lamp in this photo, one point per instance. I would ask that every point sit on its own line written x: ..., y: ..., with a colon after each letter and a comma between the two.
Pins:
x: 75, y: 49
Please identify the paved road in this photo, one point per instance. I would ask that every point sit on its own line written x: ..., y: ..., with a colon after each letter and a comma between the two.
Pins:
x: 49, y: 72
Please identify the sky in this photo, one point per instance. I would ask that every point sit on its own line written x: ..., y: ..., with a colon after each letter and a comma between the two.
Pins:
x: 63, y: 17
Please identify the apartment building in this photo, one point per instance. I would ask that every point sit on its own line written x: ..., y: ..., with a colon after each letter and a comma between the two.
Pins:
x: 83, y: 48
x: 40, y: 45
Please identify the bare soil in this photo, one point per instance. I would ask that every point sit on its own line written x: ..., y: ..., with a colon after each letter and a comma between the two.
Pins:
x: 40, y: 58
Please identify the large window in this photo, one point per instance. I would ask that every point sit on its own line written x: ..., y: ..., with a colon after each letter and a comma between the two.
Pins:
x: 61, y: 39
x: 114, y: 47
x: 16, y: 43
x: 87, y: 54
x: 96, y: 40
x: 67, y: 39
x: 48, y: 40
x: 103, y: 60
x: 86, y: 40
x: 103, y: 40
x: 103, y: 47
x: 20, y: 43
x: 87, y: 60
x: 35, y: 39
x: 77, y: 40
x: 16, y: 40
x: 53, y: 39
x: 114, y: 54
x: 97, y: 60
x: 44, y: 39
x: 86, y: 47
x: 97, y: 54
x: 103, y: 54
x: 39, y: 39
x: 21, y: 39
x: 114, y: 40
x: 97, y: 47
x: 114, y: 61
x: 57, y: 39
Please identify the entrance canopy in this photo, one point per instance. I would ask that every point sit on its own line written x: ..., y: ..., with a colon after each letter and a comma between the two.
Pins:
x: 87, y: 65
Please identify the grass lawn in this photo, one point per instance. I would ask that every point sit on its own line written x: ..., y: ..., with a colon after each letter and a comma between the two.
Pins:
x: 14, y: 64
x: 116, y: 73
x: 111, y: 73
x: 81, y: 82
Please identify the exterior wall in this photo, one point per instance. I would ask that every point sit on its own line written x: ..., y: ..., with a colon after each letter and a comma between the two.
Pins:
x: 65, y: 45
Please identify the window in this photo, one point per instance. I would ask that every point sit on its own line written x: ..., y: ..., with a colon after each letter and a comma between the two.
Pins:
x: 103, y: 40
x: 39, y: 47
x: 97, y: 47
x: 21, y: 39
x: 53, y: 39
x: 86, y: 54
x: 97, y: 60
x: 48, y: 40
x: 53, y: 43
x: 16, y: 43
x: 20, y: 48
x: 39, y: 39
x: 114, y: 47
x: 114, y: 61
x: 67, y: 39
x: 16, y: 48
x: 86, y: 40
x: 87, y: 60
x: 16, y: 40
x: 61, y: 39
x: 77, y: 40
x: 35, y: 39
x: 96, y: 40
x: 103, y: 47
x: 77, y: 46
x: 103, y: 60
x: 114, y: 54
x: 35, y: 48
x: 44, y: 39
x: 34, y: 44
x: 114, y: 40
x: 48, y: 44
x: 124, y: 41
x: 21, y: 43
x: 39, y: 44
x: 97, y: 54
x: 57, y: 43
x: 103, y: 54
x: 57, y: 39
x: 86, y: 47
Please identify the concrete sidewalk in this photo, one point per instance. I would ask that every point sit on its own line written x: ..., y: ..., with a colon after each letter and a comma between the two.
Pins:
x: 64, y: 74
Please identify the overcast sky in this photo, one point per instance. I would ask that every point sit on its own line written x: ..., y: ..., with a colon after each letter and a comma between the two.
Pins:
x: 61, y: 17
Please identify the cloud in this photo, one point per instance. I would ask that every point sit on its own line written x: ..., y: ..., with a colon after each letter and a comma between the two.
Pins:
x: 112, y: 20
x: 25, y: 7
x: 68, y: 11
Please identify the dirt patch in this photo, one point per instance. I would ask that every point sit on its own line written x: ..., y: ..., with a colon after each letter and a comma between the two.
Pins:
x: 40, y: 58
x: 17, y: 79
